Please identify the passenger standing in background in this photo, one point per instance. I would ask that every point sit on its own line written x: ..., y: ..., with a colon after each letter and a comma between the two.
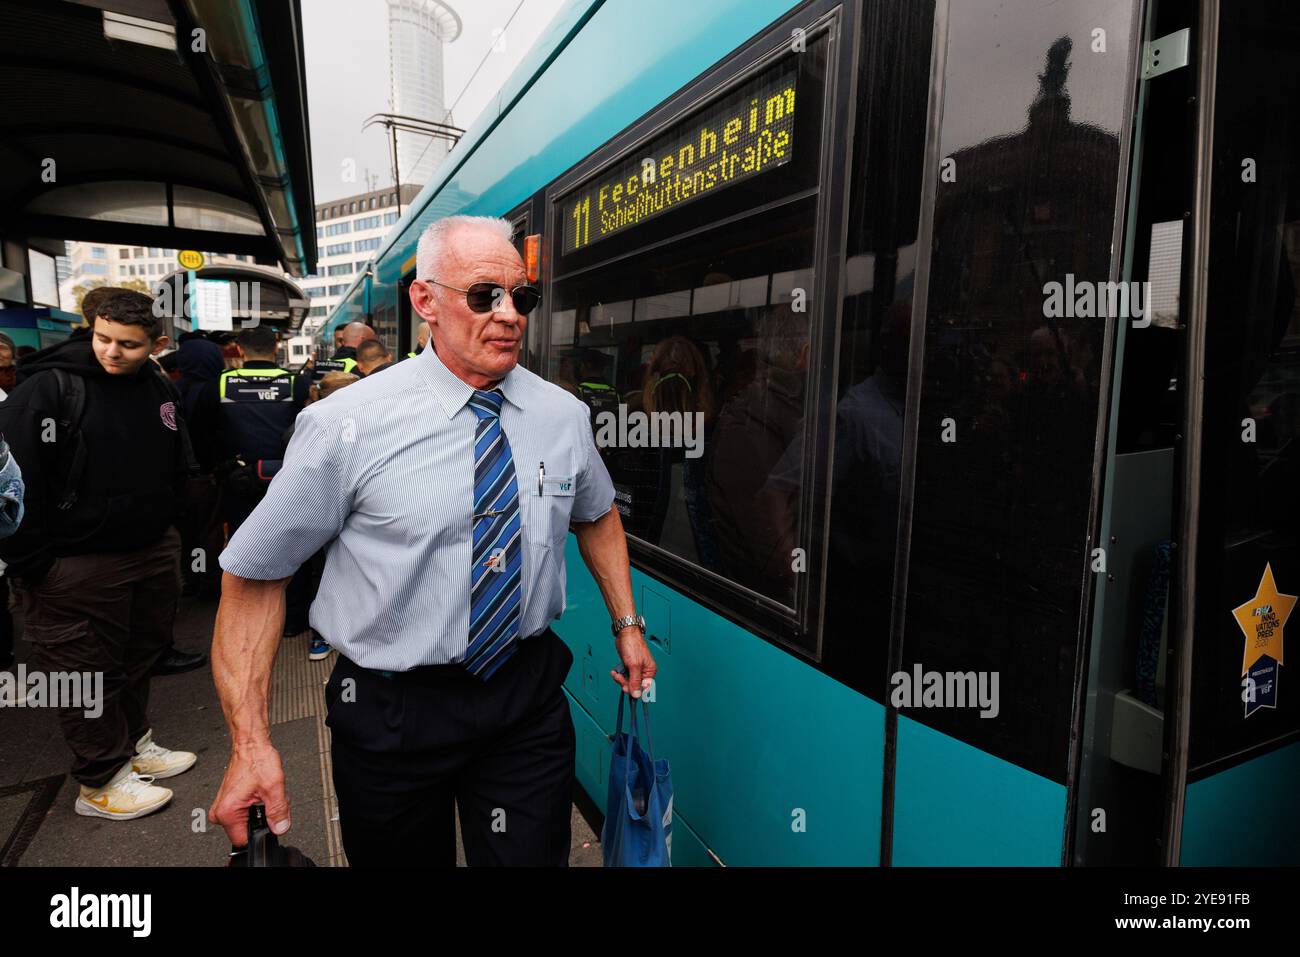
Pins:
x: 258, y: 402
x: 421, y: 340
x: 329, y: 384
x: 345, y: 355
x: 171, y: 661
x: 373, y: 356
x: 201, y: 364
x: 169, y: 364
x: 306, y: 581
x: 96, y: 559
x: 90, y: 304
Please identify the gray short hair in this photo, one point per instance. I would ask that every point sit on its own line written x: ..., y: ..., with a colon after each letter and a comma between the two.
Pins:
x: 429, y: 251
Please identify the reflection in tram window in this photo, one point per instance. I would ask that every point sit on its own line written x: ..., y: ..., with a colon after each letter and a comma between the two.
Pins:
x: 1001, y: 505
x: 865, y: 484
x: 703, y: 332
x: 677, y: 383
x: 878, y: 282
x: 755, y: 472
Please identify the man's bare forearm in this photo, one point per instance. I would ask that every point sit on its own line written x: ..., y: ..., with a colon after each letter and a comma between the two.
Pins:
x: 604, y: 549
x: 249, y: 623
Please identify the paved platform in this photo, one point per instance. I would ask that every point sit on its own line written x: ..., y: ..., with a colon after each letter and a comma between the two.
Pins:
x: 38, y: 827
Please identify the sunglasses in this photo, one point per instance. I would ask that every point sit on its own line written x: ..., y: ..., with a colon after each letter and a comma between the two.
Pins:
x: 487, y: 296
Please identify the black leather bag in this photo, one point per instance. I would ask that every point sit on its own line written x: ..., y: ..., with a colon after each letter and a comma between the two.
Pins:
x: 264, y: 848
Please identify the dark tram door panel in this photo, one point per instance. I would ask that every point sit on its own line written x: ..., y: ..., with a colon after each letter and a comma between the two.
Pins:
x: 1240, y: 700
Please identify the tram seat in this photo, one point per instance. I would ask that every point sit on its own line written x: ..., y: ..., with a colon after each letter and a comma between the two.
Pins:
x: 1137, y: 721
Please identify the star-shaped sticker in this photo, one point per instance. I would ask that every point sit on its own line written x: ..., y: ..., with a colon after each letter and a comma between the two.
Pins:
x: 1262, y: 620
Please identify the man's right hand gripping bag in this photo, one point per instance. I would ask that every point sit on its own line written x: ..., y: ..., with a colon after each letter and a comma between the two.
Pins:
x: 264, y: 848
x: 638, y: 829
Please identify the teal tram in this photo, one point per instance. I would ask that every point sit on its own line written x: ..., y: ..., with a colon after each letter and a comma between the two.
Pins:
x: 978, y: 543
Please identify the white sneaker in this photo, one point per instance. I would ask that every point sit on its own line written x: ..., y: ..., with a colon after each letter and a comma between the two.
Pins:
x: 158, y: 762
x: 125, y: 797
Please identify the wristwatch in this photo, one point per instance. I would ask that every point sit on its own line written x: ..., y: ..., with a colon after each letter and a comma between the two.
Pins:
x: 626, y: 621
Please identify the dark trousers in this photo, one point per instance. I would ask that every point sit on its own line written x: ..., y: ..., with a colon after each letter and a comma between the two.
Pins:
x: 112, y: 613
x: 409, y: 749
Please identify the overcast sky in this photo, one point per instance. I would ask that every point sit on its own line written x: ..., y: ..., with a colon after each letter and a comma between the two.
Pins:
x: 347, y: 76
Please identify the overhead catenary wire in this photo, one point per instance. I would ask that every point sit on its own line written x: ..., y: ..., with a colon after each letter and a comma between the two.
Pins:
x: 472, y: 76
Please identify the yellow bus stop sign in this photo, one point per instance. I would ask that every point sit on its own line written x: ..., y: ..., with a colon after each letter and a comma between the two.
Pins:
x: 190, y: 259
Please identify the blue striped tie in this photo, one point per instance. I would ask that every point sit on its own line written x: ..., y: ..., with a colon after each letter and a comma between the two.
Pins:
x: 496, y: 577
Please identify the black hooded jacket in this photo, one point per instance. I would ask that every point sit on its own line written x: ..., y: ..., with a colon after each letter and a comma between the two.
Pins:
x: 132, y: 486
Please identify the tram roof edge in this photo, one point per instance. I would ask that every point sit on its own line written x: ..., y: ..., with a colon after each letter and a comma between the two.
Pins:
x: 561, y: 29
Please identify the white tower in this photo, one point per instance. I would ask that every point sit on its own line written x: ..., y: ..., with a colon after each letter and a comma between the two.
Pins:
x: 417, y: 29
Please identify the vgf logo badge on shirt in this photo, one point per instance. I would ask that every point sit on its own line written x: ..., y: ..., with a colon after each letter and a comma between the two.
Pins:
x: 557, y: 485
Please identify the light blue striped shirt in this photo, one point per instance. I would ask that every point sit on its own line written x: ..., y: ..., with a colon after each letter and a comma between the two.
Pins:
x: 383, y: 473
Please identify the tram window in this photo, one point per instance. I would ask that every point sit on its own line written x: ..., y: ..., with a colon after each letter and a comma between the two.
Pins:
x: 682, y: 314
x: 752, y: 144
x: 879, y: 280
x: 1001, y: 501
x: 702, y: 346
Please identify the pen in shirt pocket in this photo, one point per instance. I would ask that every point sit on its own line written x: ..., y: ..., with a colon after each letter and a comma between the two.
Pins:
x: 541, y: 473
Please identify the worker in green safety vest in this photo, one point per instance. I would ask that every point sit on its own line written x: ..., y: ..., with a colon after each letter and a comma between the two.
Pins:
x: 345, y: 357
x: 258, y: 404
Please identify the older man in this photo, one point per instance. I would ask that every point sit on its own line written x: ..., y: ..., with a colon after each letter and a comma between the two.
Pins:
x: 447, y: 487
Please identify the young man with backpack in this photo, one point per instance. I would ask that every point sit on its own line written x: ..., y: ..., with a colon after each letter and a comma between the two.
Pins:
x: 96, y: 561
x: 172, y: 661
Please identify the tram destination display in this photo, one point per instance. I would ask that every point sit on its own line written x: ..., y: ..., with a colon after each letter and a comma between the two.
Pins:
x: 742, y: 136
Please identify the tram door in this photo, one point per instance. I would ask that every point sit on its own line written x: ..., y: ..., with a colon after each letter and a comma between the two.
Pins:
x: 1234, y: 764
x: 1190, y: 746
x: 1033, y: 103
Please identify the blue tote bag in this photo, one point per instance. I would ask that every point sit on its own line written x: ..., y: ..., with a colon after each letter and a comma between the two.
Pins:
x: 638, y: 829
